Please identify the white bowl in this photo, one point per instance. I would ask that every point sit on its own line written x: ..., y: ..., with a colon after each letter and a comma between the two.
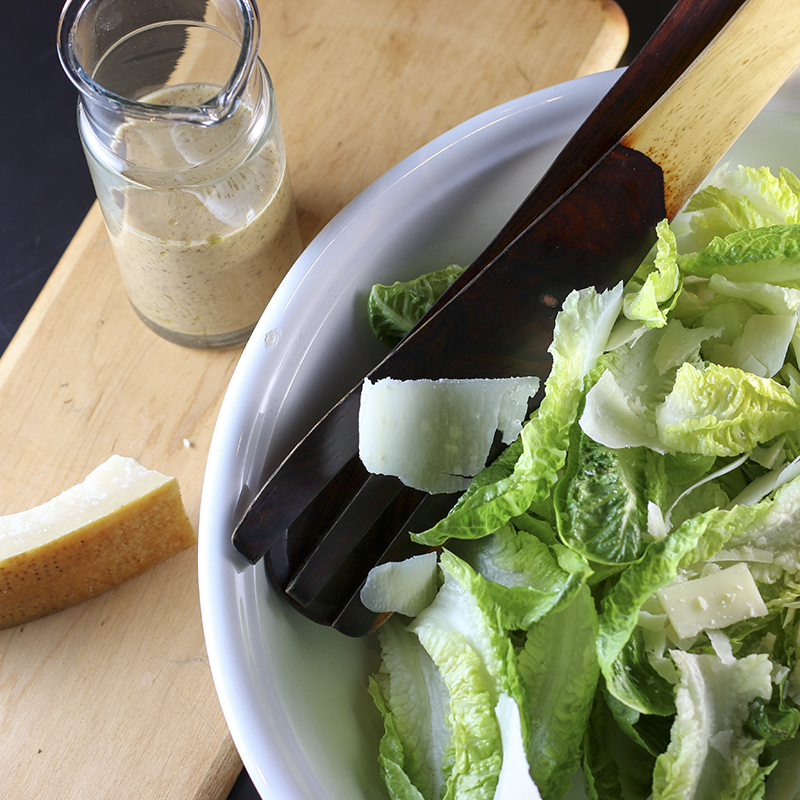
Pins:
x: 294, y: 693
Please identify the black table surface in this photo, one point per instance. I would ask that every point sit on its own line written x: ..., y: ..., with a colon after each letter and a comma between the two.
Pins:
x: 45, y: 189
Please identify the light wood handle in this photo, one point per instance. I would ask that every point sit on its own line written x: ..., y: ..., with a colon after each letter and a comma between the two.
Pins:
x: 695, y: 122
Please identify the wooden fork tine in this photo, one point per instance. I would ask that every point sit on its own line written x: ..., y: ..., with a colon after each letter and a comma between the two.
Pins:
x: 323, y: 590
x: 354, y: 619
x: 353, y: 523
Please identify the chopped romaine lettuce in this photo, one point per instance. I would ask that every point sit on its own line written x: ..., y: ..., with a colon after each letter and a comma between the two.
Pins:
x: 620, y: 587
x: 724, y: 411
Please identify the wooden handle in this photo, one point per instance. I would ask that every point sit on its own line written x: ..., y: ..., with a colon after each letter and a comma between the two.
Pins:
x: 695, y: 122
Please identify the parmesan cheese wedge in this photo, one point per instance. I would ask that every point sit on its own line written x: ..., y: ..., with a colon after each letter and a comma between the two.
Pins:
x: 122, y: 520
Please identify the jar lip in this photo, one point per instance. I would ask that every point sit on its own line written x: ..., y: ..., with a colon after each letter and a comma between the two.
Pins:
x: 216, y: 109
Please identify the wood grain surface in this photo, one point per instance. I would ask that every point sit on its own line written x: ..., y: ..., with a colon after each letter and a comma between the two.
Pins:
x: 114, y: 697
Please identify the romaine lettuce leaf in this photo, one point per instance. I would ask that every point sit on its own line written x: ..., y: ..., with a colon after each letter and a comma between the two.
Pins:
x: 651, y: 300
x: 762, y: 254
x: 394, y: 310
x: 525, y: 577
x: 602, y: 499
x: 616, y: 766
x: 559, y: 667
x: 414, y: 703
x: 477, y: 662
x: 739, y: 198
x: 709, y: 756
x: 724, y: 411
x: 632, y: 680
x: 770, y: 540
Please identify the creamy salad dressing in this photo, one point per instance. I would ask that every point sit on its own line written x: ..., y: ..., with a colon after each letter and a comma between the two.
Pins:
x: 205, y: 242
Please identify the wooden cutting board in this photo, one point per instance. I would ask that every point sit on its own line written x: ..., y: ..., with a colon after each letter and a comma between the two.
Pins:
x: 114, y: 697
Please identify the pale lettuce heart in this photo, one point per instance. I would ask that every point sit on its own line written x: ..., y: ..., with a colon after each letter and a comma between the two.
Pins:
x: 709, y: 755
x: 739, y: 198
x: 724, y: 411
x: 651, y: 301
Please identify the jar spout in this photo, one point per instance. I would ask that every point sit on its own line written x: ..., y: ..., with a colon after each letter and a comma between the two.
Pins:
x: 120, y: 55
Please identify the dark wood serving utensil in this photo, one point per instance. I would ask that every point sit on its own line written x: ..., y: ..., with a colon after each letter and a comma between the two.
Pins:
x: 320, y: 519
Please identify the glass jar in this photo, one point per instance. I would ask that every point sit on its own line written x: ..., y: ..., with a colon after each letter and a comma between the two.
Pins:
x: 178, y: 121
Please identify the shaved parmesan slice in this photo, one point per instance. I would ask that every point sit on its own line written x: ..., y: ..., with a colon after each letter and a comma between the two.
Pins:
x: 713, y: 601
x: 436, y: 435
x: 122, y: 520
x: 403, y: 587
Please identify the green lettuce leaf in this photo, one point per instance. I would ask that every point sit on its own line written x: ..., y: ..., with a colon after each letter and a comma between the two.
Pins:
x: 768, y: 538
x: 394, y: 310
x: 525, y: 577
x: 559, y: 668
x: 773, y: 721
x: 616, y: 766
x: 651, y: 300
x: 620, y: 606
x: 602, y: 500
x: 391, y: 758
x: 414, y: 702
x: 739, y: 198
x: 477, y: 663
x: 632, y: 682
x: 761, y: 254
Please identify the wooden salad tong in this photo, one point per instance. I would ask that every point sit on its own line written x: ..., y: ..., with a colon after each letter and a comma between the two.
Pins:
x: 321, y: 520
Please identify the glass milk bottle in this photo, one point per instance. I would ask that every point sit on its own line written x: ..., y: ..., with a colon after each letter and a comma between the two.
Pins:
x: 178, y: 121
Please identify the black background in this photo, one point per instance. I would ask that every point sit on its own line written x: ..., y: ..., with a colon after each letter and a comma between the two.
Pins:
x: 45, y: 190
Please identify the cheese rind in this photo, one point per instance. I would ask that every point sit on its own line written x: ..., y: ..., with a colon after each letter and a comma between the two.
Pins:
x: 122, y: 520
x: 712, y: 602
